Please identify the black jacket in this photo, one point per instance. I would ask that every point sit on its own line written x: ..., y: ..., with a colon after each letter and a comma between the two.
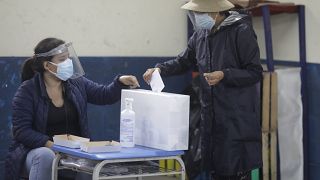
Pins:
x: 230, y: 111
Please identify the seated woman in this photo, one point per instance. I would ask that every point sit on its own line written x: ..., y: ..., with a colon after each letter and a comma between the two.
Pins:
x: 52, y: 99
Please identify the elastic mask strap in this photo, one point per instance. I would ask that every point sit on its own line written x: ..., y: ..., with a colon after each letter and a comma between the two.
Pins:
x: 52, y: 71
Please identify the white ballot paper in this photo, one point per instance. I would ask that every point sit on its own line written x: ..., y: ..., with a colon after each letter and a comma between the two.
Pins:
x: 156, y: 82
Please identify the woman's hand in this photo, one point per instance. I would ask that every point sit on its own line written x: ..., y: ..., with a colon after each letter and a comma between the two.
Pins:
x: 129, y: 80
x: 213, y: 78
x: 148, y: 74
x: 49, y: 144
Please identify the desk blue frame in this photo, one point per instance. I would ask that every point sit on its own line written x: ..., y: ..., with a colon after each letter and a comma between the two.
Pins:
x: 137, y: 153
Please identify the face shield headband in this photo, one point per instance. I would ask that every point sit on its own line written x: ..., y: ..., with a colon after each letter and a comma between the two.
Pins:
x: 58, y: 50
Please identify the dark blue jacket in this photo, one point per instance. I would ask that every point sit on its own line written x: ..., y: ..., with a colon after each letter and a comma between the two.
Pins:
x: 230, y: 111
x: 30, y: 109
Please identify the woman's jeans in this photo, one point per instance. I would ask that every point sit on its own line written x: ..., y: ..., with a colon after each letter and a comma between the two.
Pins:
x: 38, y: 165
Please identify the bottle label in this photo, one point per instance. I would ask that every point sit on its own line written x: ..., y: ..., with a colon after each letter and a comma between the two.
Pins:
x: 126, y: 129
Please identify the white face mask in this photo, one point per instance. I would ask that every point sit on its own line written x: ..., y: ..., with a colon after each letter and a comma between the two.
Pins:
x: 204, y: 21
x: 64, y: 69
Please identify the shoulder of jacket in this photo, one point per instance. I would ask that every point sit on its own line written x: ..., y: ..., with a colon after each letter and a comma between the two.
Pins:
x: 243, y: 26
x: 26, y: 91
x: 28, y: 85
x: 79, y: 80
x: 198, y: 35
x: 200, y: 32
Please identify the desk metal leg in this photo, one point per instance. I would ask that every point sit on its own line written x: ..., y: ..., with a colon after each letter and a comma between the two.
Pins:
x: 99, y: 166
x: 183, y: 168
x: 96, y: 171
x: 55, y: 163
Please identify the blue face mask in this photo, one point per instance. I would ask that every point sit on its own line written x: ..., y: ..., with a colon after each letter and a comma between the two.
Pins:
x: 204, y: 21
x: 64, y: 69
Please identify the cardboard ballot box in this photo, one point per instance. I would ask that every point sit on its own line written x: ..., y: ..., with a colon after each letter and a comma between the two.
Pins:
x: 162, y: 119
x: 70, y: 141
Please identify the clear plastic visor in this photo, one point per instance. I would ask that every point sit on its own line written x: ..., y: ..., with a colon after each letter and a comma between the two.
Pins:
x: 63, y: 52
x: 192, y: 18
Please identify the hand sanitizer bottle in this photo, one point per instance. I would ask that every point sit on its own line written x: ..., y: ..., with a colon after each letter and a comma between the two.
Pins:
x: 127, y: 124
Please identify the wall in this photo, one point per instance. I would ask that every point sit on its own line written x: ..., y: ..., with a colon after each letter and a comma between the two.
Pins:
x: 97, y: 28
x: 133, y: 28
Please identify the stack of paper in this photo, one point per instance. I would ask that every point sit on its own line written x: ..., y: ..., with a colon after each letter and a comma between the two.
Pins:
x: 69, y: 141
x: 100, y: 146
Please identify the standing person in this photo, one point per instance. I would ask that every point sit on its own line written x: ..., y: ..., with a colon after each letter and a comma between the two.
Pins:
x: 225, y: 50
x: 52, y: 99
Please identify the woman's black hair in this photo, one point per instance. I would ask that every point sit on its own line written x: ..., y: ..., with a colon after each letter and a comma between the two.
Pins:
x: 35, y: 64
x: 225, y: 13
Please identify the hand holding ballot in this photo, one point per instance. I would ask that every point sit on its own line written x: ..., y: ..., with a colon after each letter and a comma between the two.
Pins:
x: 148, y: 74
x: 153, y: 78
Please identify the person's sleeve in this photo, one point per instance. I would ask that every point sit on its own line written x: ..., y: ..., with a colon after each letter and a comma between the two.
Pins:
x: 22, y: 120
x: 182, y: 63
x: 103, y: 94
x: 250, y: 71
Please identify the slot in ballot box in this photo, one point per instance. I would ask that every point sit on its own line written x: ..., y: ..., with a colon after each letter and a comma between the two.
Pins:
x: 162, y: 119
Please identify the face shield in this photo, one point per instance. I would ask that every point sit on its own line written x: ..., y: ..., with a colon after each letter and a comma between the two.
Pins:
x: 192, y: 19
x: 71, y: 61
x: 201, y: 20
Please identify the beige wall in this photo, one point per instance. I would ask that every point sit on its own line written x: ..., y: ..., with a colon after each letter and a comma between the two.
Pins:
x: 96, y: 27
x: 133, y: 27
